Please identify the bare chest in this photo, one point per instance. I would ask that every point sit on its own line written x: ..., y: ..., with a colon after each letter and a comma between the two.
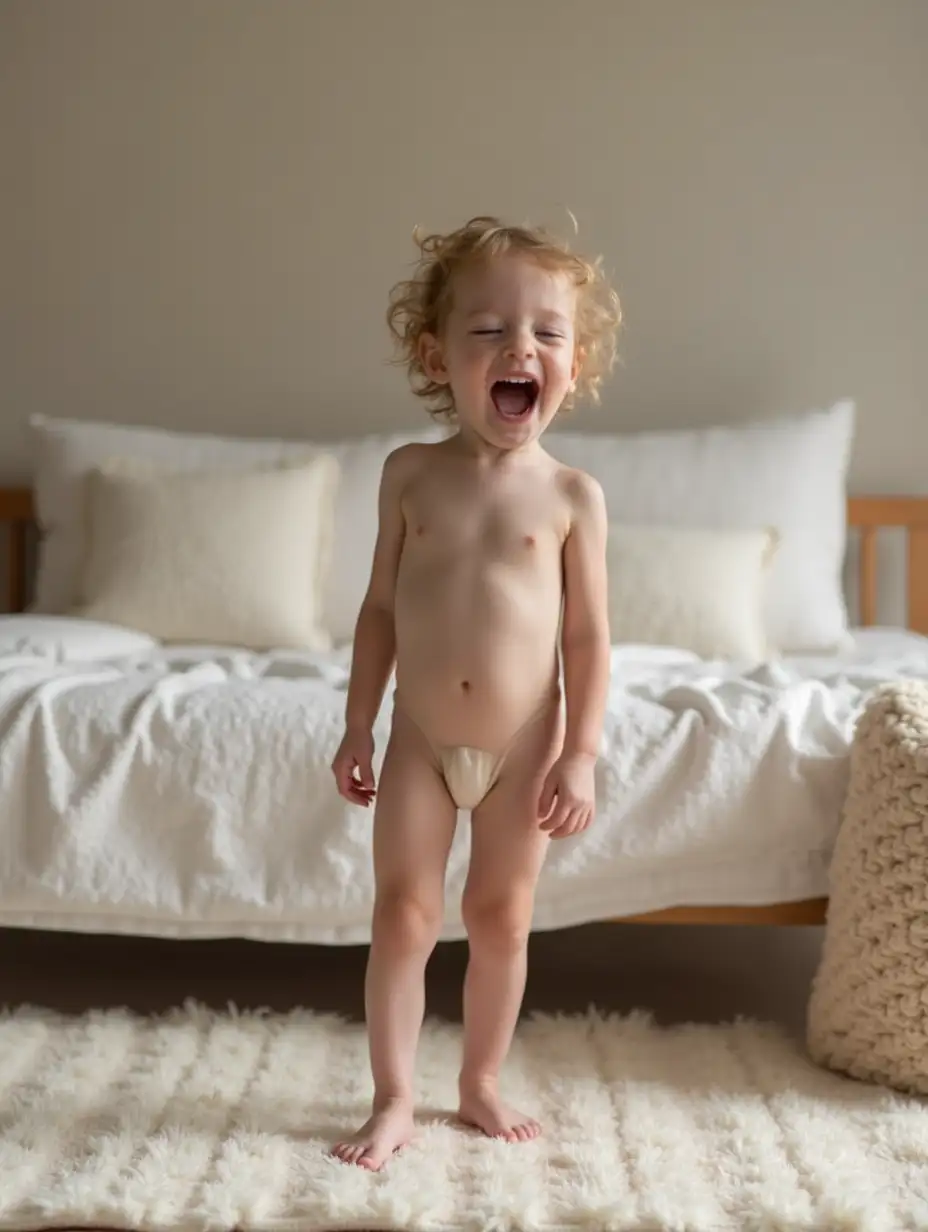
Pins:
x: 514, y: 524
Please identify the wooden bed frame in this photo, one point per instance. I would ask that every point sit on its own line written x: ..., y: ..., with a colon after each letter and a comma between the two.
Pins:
x: 866, y: 514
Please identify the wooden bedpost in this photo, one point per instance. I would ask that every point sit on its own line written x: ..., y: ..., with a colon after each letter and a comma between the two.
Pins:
x: 16, y: 510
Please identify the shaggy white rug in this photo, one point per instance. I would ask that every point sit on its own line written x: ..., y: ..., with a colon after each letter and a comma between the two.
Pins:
x: 218, y: 1121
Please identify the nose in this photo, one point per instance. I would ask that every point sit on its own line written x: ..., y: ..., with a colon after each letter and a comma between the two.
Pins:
x: 520, y: 343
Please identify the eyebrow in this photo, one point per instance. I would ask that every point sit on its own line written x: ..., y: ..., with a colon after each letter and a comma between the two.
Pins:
x: 546, y: 313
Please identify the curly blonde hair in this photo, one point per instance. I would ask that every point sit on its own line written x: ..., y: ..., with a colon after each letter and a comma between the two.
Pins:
x: 420, y: 304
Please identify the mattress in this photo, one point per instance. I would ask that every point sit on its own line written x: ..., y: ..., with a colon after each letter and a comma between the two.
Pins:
x: 186, y: 792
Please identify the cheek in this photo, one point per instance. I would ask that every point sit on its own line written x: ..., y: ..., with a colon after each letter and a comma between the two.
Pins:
x: 560, y: 367
x: 472, y: 356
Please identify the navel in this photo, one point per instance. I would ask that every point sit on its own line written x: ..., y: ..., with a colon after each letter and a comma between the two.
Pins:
x: 465, y: 686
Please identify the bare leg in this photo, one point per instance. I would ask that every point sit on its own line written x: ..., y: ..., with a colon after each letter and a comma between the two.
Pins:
x: 507, y: 853
x: 414, y: 824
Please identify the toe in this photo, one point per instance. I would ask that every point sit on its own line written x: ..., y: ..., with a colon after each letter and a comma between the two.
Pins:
x: 369, y: 1160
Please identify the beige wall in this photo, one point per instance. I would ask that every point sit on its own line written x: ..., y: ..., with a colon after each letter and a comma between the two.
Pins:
x: 204, y: 204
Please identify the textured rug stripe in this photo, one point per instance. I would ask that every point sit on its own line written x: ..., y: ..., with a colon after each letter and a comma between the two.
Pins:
x: 201, y: 1121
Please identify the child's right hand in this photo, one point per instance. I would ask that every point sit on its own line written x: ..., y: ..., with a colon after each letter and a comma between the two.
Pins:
x: 353, y: 767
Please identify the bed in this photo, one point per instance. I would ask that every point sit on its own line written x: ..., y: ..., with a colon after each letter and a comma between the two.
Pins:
x: 787, y: 724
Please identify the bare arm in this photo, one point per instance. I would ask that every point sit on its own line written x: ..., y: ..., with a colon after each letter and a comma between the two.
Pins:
x: 374, y: 647
x: 568, y: 797
x: 375, y: 638
x: 585, y: 633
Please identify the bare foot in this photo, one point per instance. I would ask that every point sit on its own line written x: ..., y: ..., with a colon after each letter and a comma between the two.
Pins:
x: 387, y: 1131
x: 482, y: 1108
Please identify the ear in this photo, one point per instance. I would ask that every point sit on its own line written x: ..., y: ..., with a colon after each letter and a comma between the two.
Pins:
x: 576, y: 367
x: 432, y: 359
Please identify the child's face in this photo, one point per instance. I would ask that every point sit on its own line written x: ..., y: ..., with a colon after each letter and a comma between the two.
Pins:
x: 508, y: 349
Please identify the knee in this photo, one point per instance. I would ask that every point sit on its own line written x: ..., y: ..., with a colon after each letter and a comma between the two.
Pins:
x: 500, y: 925
x: 406, y: 923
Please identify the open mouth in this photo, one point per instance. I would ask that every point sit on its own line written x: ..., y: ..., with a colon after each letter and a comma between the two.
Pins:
x: 515, y: 399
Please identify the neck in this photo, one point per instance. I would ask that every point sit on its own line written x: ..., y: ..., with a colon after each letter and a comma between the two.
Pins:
x: 471, y: 443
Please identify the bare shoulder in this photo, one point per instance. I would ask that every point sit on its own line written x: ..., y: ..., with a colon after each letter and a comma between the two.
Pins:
x: 405, y: 463
x: 583, y: 494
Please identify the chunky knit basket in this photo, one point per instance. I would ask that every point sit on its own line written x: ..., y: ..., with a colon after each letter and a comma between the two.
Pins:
x: 868, y: 1013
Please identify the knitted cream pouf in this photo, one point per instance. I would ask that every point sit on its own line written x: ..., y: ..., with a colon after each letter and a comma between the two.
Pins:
x: 868, y: 1012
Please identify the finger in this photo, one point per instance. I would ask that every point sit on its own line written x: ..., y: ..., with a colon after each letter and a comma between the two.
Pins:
x: 576, y: 822
x: 548, y: 795
x: 569, y: 825
x: 359, y: 786
x: 343, y: 769
x: 348, y: 785
x: 559, y: 815
x: 366, y: 773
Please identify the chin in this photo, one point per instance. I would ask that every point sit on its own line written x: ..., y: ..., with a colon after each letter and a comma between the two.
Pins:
x: 507, y: 426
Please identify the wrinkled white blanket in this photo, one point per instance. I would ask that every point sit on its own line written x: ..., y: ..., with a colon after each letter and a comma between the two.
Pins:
x: 187, y: 792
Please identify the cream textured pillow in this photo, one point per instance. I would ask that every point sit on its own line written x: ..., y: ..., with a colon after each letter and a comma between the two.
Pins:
x: 702, y: 590
x: 786, y: 473
x: 226, y: 557
x: 66, y: 450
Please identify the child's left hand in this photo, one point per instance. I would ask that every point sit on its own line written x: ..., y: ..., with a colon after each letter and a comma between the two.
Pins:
x: 568, y: 797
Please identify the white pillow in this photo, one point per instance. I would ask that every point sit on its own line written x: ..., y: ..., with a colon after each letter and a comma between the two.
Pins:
x: 223, y: 557
x: 789, y: 474
x: 66, y: 450
x: 68, y: 639
x: 698, y: 590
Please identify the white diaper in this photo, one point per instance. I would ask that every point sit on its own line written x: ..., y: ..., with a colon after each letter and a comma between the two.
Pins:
x: 469, y: 773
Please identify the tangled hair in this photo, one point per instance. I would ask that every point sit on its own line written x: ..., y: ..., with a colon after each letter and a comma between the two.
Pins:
x: 420, y: 305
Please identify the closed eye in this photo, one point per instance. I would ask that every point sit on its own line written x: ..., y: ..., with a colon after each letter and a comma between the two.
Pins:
x: 486, y: 331
x: 549, y: 333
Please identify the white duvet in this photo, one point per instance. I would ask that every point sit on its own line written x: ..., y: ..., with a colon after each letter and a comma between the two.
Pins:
x: 187, y: 792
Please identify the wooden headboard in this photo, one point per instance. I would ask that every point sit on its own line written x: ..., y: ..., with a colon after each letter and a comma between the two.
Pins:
x: 871, y: 514
x: 866, y: 514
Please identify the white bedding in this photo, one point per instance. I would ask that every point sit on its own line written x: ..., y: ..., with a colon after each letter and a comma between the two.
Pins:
x: 185, y: 792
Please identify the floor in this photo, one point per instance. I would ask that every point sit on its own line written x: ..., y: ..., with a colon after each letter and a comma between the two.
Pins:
x: 701, y: 973
x: 693, y: 974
